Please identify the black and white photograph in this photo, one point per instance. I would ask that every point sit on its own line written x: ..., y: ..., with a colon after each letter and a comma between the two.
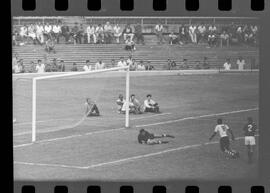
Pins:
x: 126, y: 98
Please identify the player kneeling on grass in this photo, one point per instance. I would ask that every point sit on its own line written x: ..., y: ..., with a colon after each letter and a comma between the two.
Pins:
x: 250, y: 130
x: 145, y: 137
x: 120, y: 103
x: 91, y: 108
x: 135, y: 106
x: 222, y: 129
x: 150, y: 105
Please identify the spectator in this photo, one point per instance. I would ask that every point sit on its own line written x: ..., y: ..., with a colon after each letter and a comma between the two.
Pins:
x: 108, y: 33
x: 49, y: 47
x: 75, y: 34
x: 129, y: 45
x: 100, y: 34
x: 23, y: 33
x: 32, y: 33
x: 239, y: 34
x: 254, y: 30
x: 80, y: 34
x: 90, y: 31
x: 87, y: 66
x: 32, y: 67
x: 183, y: 35
x: 141, y: 66
x: 212, y: 36
x: 74, y: 67
x: 122, y: 62
x: 227, y: 65
x: 133, y: 65
x: 17, y: 68
x: 113, y: 63
x: 99, y: 65
x: 40, y: 68
x: 205, y: 64
x: 173, y: 65
x: 184, y: 64
x: 40, y: 31
x: 15, y: 60
x: 173, y: 38
x: 138, y: 34
x: 248, y: 36
x: 66, y: 33
x: 192, y: 33
x: 61, y: 66
x: 159, y: 33
x: 168, y: 65
x: 201, y: 33
x: 56, y: 32
x: 117, y: 33
x: 224, y: 38
x: 54, y: 66
x: 149, y: 66
x: 47, y: 31
x: 22, y: 67
x: 128, y: 33
x: 240, y: 63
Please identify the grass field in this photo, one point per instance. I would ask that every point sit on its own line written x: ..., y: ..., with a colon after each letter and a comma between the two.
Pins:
x: 100, y: 148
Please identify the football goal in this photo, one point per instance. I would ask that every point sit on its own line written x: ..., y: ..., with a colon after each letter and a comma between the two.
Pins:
x: 58, y: 100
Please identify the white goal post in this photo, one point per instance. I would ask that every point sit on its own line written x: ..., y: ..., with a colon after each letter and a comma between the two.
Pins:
x: 69, y: 74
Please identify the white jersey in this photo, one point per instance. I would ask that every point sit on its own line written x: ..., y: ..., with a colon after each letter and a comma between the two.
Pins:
x: 40, y: 69
x: 222, y: 130
x: 227, y: 66
x: 87, y: 68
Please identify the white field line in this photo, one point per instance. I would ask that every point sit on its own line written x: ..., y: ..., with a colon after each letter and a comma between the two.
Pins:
x: 196, y: 117
x: 122, y: 160
x: 119, y: 129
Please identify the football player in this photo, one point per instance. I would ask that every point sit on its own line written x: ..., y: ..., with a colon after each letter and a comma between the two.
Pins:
x: 91, y: 108
x: 223, y: 130
x: 145, y: 137
x: 249, y: 132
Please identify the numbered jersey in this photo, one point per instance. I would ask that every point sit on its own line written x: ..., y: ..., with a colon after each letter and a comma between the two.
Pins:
x: 250, y: 129
x: 222, y: 129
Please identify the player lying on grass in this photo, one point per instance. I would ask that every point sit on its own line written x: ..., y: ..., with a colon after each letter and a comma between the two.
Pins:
x: 150, y: 105
x: 91, y: 108
x: 145, y: 137
x: 249, y: 132
x: 224, y: 141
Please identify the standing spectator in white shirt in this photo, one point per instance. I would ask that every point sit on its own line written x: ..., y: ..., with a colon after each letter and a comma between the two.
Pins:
x: 224, y: 37
x: 192, y: 33
x: 56, y: 30
x: 40, y: 68
x: 159, y: 33
x: 99, y: 65
x: 108, y: 33
x: 47, y: 31
x: 32, y: 33
x: 241, y: 63
x: 23, y: 33
x: 117, y: 33
x: 201, y: 33
x: 40, y: 31
x: 90, y: 31
x: 87, y: 66
x: 227, y: 65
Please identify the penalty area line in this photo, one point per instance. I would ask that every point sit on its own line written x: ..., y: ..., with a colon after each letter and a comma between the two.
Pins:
x: 128, y: 159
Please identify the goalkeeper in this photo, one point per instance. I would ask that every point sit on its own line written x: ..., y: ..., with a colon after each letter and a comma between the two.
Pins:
x: 145, y: 137
x: 91, y: 108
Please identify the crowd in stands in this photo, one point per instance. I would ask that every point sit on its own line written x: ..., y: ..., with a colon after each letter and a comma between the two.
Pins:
x: 50, y: 34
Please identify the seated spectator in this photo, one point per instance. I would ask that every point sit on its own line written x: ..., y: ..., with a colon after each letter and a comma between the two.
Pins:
x: 149, y: 66
x: 120, y: 104
x: 133, y: 65
x: 122, y: 62
x: 128, y: 33
x: 17, y: 68
x: 141, y: 66
x: 31, y: 67
x: 159, y: 33
x: 49, y: 47
x: 138, y: 34
x: 129, y: 45
x: 240, y: 63
x: 248, y: 36
x: 117, y: 33
x: 173, y: 38
x: 87, y: 66
x: 100, y: 34
x: 74, y: 67
x: 224, y: 38
x: 90, y: 31
x: 66, y: 33
x: 40, y: 67
x: 150, y: 105
x: 135, y: 106
x: 61, y: 66
x: 212, y: 39
x: 227, y: 65
x: 192, y: 33
x: 75, y: 34
x: 108, y: 33
x: 183, y: 35
x: 91, y: 108
x: 99, y: 65
x: 205, y: 64
x: 54, y: 65
x: 201, y: 37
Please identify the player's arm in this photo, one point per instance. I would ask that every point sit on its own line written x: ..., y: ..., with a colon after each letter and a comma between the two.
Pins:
x: 213, y: 135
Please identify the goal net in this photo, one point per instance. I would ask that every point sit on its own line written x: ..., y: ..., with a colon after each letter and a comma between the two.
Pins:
x: 55, y: 104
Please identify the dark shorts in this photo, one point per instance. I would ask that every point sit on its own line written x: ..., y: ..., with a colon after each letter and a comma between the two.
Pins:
x: 224, y: 143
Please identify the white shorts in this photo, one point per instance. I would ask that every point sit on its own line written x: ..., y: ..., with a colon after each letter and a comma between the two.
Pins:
x: 250, y: 140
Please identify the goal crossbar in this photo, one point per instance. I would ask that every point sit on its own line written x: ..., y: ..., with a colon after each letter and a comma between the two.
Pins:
x: 34, y: 91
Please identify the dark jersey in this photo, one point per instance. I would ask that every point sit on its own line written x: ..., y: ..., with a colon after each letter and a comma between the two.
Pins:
x: 142, y: 138
x: 250, y: 129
